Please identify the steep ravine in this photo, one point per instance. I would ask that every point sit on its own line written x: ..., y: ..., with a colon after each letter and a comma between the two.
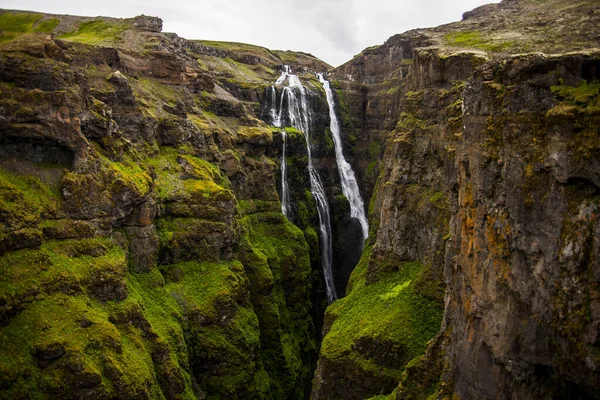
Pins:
x: 144, y: 252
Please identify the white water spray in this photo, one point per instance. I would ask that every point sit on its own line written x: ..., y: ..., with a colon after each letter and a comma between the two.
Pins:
x: 285, y: 193
x: 299, y: 116
x: 347, y: 177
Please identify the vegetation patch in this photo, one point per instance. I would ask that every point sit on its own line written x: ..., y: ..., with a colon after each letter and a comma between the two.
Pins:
x: 398, y: 313
x: 279, y: 269
x: 581, y: 98
x: 95, y: 32
x: 24, y: 199
x: 477, y: 40
x: 18, y: 22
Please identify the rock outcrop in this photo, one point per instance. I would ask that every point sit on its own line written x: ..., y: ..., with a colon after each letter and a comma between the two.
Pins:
x: 487, y: 187
x: 142, y: 249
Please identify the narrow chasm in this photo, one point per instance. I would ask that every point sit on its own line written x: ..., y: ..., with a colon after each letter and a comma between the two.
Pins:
x: 317, y: 186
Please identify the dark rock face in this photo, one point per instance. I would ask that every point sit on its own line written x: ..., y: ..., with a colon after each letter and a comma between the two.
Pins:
x: 489, y: 177
x: 524, y: 234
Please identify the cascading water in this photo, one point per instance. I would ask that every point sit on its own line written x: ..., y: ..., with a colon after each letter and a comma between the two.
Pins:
x: 347, y: 177
x: 285, y: 193
x: 299, y: 116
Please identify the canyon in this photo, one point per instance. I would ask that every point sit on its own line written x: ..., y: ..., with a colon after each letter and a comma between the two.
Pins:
x: 188, y: 219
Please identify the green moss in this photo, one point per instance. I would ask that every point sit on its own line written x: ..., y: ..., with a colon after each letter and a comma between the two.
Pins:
x: 293, y: 132
x: 409, y: 122
x: 477, y: 40
x: 279, y: 269
x: 131, y: 174
x: 391, y: 396
x: 18, y: 21
x: 47, y: 26
x: 585, y: 97
x: 95, y: 32
x: 396, y: 309
x: 347, y: 117
x: 25, y: 199
x: 582, y: 93
x: 59, y: 265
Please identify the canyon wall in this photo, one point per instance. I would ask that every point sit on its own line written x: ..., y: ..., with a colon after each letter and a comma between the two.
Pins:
x: 488, y: 188
x: 143, y: 253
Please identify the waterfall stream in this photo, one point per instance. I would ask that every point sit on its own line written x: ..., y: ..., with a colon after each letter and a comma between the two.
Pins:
x: 299, y: 116
x: 347, y: 177
x: 285, y: 193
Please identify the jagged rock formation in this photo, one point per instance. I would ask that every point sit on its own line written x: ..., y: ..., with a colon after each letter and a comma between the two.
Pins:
x: 489, y: 183
x: 142, y: 249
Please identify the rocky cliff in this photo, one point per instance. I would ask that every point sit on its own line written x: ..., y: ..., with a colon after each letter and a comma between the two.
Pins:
x: 143, y: 252
x: 142, y: 248
x: 487, y: 187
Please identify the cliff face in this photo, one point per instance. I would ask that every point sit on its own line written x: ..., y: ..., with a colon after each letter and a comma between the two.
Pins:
x: 143, y: 253
x: 525, y: 231
x: 488, y: 183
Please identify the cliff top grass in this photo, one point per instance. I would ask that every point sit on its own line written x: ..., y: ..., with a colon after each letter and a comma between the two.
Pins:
x: 478, y: 40
x: 78, y: 29
x: 96, y: 32
x: 16, y: 23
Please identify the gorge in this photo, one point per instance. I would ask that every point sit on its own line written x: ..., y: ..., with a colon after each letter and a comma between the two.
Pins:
x: 184, y: 219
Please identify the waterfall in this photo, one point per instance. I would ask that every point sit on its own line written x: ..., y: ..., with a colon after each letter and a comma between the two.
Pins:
x: 347, y: 177
x: 285, y: 194
x: 299, y: 116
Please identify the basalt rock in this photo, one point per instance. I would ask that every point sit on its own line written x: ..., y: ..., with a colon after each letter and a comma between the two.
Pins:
x: 490, y: 164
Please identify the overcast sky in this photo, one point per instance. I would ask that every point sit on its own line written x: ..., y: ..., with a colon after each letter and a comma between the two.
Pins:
x: 333, y: 30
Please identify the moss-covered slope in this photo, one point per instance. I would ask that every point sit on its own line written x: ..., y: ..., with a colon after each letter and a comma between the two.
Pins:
x: 142, y: 249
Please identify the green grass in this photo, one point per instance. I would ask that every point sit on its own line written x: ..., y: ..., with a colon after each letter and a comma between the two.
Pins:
x: 15, y: 24
x: 403, y: 308
x: 95, y: 32
x: 18, y: 22
x: 47, y: 26
x: 24, y: 199
x: 477, y: 40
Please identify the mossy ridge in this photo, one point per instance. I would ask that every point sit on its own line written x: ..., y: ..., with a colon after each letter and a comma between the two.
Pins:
x: 401, y: 309
x: 477, y: 40
x: 97, y: 31
x: 64, y: 341
x: 222, y: 332
x: 278, y: 265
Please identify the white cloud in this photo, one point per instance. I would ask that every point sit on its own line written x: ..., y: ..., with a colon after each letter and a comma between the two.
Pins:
x: 333, y: 30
